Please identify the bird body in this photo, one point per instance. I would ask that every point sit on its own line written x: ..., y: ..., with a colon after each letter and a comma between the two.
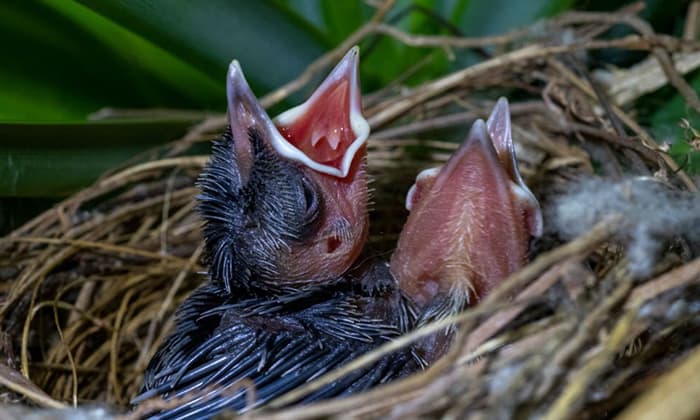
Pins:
x: 279, y: 342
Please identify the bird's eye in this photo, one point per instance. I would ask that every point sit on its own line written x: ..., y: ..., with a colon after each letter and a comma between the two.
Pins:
x: 310, y: 198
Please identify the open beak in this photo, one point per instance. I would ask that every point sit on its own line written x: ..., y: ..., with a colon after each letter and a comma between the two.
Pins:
x: 326, y: 137
x: 470, y: 221
x: 328, y: 130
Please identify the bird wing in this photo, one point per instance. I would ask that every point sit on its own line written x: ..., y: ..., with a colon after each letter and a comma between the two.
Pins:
x: 278, y: 344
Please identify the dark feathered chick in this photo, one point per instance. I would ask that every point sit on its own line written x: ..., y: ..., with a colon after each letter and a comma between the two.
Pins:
x: 469, y: 225
x: 285, y: 209
x: 285, y: 202
x: 279, y: 344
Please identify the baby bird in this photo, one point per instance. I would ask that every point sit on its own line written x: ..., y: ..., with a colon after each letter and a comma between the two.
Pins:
x: 469, y: 225
x: 284, y: 205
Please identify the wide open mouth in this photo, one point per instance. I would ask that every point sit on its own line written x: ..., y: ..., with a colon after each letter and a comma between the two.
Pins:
x: 328, y: 129
x: 325, y: 133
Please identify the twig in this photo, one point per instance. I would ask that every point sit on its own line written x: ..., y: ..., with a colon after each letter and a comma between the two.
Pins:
x: 690, y: 30
x: 687, y: 273
x: 14, y: 381
x: 71, y: 360
x: 675, y: 395
x: 659, y: 49
x: 167, y: 303
x: 428, y: 41
x: 450, y: 120
x: 588, y: 329
x: 497, y: 321
x: 117, y: 249
x: 514, y: 58
x: 644, y: 138
x: 495, y: 301
x: 326, y: 60
x: 114, y: 342
x: 178, y: 162
x: 567, y: 401
x: 626, y: 85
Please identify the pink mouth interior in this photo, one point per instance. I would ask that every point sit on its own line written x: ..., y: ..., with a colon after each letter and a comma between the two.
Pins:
x: 324, y: 132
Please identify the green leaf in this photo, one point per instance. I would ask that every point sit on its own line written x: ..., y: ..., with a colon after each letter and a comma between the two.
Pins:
x: 389, y: 59
x: 341, y: 18
x: 44, y: 160
x: 63, y: 61
x: 663, y: 112
x: 271, y: 47
x: 308, y: 14
x: 496, y: 16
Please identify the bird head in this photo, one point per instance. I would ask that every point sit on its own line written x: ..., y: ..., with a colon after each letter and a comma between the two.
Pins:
x: 470, y: 221
x: 285, y: 202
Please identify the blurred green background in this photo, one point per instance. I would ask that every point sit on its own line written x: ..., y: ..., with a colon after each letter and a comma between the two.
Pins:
x: 64, y: 60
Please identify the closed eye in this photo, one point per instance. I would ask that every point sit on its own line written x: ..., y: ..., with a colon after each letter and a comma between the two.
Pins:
x: 311, y: 199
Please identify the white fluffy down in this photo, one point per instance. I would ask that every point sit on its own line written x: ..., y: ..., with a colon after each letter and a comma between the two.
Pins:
x: 653, y: 214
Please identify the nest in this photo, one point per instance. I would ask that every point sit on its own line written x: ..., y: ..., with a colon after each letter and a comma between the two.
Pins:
x: 89, y: 288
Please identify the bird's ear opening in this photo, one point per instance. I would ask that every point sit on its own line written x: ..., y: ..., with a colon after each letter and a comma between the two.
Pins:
x: 328, y: 129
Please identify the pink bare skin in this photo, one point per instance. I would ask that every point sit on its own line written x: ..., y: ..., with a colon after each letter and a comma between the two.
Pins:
x: 470, y: 221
